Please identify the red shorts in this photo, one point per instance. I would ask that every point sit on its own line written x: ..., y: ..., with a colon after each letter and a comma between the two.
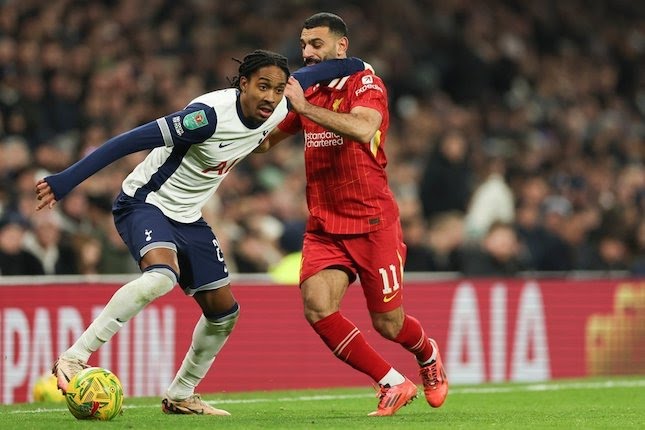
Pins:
x: 377, y: 258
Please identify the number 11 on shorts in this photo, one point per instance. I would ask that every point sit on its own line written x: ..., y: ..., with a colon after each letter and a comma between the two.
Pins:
x: 386, y: 282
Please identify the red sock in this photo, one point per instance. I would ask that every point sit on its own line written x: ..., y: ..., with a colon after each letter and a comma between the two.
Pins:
x: 347, y: 343
x: 413, y: 338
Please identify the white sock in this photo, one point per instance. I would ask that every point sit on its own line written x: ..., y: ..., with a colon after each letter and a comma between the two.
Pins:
x: 128, y: 301
x: 392, y: 378
x: 431, y: 359
x: 208, y: 339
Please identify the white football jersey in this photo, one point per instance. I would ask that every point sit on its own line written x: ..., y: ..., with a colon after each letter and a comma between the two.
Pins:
x: 194, y: 149
x: 180, y: 178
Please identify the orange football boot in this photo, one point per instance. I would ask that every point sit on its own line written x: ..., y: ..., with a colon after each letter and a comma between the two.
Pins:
x: 435, y: 382
x: 394, y: 398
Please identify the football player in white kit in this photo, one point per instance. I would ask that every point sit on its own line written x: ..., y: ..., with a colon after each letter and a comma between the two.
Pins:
x: 158, y: 212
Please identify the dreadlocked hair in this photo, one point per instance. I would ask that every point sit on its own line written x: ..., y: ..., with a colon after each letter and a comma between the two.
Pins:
x: 256, y: 60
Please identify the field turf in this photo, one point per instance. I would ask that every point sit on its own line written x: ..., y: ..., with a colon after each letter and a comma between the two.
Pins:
x: 617, y: 403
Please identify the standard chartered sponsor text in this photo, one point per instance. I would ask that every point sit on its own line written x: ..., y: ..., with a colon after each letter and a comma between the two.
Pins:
x: 322, y: 139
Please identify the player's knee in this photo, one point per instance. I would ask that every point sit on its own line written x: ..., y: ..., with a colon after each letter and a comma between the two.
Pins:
x: 387, y: 327
x: 316, y: 309
x: 224, y: 322
x: 313, y: 315
x: 161, y: 279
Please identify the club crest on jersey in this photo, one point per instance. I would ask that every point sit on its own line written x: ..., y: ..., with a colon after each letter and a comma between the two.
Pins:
x: 367, y: 79
x: 195, y: 120
x: 148, y: 234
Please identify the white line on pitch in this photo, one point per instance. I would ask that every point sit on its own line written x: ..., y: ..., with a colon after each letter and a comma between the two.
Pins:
x: 453, y: 392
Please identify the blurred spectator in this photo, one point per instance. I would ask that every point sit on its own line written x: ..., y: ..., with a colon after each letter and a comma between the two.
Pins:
x: 436, y: 248
x: 114, y: 254
x: 446, y: 182
x: 446, y: 234
x: 419, y: 256
x: 532, y: 234
x: 90, y: 252
x: 500, y: 253
x: 492, y: 200
x: 558, y: 254
x: 611, y: 254
x: 14, y: 259
x: 47, y: 243
x: 579, y: 232
x: 14, y: 157
x: 257, y: 249
x: 638, y: 263
x: 73, y: 209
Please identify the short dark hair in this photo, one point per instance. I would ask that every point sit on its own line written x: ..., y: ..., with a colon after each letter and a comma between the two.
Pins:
x: 255, y: 61
x: 325, y: 19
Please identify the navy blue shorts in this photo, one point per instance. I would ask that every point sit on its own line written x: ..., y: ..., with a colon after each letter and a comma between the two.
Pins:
x: 143, y: 227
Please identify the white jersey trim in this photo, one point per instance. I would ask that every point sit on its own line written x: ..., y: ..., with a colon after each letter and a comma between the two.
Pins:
x: 165, y: 132
x: 166, y: 245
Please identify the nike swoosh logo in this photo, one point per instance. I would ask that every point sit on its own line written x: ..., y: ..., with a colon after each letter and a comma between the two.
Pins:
x: 225, y: 144
x: 386, y: 299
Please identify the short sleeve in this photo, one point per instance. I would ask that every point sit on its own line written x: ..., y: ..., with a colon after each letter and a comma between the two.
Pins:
x: 369, y: 91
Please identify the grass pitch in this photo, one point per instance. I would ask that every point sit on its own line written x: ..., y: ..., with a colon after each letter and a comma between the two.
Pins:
x: 617, y: 403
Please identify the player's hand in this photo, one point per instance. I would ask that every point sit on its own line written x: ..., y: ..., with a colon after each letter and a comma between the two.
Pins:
x: 293, y: 91
x: 45, y: 195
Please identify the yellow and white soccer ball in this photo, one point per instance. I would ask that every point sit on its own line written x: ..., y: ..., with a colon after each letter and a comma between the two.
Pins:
x: 94, y: 393
x: 46, y: 390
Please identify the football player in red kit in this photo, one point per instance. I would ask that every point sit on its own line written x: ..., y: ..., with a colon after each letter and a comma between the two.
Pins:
x: 354, y: 227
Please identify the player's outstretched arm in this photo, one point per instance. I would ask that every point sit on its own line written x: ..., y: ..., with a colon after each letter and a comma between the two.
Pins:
x: 165, y: 131
x: 328, y: 70
x: 60, y: 184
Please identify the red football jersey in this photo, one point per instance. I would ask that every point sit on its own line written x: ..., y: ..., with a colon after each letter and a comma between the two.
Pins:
x: 347, y: 187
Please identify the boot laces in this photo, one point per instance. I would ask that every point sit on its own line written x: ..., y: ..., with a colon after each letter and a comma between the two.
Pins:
x: 381, y: 392
x: 430, y: 374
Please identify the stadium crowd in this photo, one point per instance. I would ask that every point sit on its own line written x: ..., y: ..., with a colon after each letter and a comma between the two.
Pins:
x: 516, y: 144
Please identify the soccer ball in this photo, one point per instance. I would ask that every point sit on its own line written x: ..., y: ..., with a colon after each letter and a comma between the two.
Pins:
x: 46, y: 390
x: 94, y: 394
